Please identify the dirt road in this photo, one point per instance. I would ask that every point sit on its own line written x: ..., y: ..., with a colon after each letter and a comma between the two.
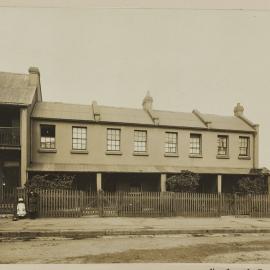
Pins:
x: 237, y: 248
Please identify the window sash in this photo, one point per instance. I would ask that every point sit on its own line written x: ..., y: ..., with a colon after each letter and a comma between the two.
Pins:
x: 243, y: 146
x: 140, y: 140
x: 195, y: 144
x: 113, y: 139
x: 79, y: 138
x: 222, y: 145
x: 47, y: 136
x: 171, y: 142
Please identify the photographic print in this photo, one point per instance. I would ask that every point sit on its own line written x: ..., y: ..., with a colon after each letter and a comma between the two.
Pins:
x: 135, y: 133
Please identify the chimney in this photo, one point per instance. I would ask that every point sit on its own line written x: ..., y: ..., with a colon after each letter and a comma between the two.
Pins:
x: 34, y: 76
x: 147, y: 106
x: 96, y: 111
x: 147, y: 102
x: 238, y: 110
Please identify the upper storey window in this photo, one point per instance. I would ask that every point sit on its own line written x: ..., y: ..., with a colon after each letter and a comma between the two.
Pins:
x: 223, y: 147
x: 195, y: 144
x: 113, y: 139
x: 140, y: 140
x: 171, y: 142
x: 243, y: 146
x: 79, y: 138
x: 47, y: 136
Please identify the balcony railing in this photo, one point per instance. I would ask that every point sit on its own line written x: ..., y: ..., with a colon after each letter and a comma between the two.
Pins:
x: 9, y: 136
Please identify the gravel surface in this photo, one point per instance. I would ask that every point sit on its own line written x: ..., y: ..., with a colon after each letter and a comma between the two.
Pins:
x: 216, y: 248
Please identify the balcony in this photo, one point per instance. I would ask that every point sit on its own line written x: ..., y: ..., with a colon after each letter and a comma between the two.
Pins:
x: 9, y: 136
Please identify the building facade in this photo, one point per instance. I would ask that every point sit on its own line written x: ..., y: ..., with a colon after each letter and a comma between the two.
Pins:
x: 115, y: 149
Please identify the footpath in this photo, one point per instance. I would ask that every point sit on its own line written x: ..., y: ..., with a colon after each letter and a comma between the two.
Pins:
x: 93, y: 226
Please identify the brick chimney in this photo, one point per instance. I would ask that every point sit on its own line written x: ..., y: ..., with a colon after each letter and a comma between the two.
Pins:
x: 147, y: 102
x: 238, y: 110
x: 34, y: 76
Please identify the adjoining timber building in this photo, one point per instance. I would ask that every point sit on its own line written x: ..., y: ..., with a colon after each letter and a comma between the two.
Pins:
x: 118, y: 149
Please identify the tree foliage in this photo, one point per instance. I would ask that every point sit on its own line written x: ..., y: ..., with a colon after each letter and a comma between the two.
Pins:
x: 186, y: 181
x: 51, y: 181
x: 252, y: 184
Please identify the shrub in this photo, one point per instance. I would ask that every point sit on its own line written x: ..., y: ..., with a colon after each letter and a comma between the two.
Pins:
x: 51, y: 181
x: 186, y: 181
x: 252, y: 184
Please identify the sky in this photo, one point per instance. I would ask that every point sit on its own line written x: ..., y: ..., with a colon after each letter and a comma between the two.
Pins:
x: 187, y: 58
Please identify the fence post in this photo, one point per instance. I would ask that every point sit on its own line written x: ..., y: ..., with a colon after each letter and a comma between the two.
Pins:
x: 100, y: 203
x: 120, y: 204
x: 174, y: 203
x: 81, y: 198
x: 219, y: 204
x: 249, y: 205
x: 234, y: 203
x: 15, y: 198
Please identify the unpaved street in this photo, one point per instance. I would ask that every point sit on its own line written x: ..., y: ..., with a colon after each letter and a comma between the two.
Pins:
x: 230, y: 248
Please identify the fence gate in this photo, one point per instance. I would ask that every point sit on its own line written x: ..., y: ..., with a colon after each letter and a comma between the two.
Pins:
x: 89, y: 203
x: 108, y: 204
x: 8, y: 198
x: 235, y: 204
x: 227, y: 204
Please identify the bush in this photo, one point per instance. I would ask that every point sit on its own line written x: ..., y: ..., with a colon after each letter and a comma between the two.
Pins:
x: 252, y: 184
x: 51, y: 181
x: 186, y: 181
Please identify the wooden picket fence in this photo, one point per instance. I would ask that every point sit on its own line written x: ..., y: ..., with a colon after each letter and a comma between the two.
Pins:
x: 74, y: 203
x: 7, y: 196
x: 63, y: 202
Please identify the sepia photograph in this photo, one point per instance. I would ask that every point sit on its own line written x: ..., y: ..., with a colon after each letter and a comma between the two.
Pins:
x: 135, y: 132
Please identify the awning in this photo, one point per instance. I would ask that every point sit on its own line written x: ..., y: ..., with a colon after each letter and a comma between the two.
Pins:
x: 60, y: 167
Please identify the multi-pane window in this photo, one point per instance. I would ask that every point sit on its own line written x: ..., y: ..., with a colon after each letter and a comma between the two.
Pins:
x: 243, y: 146
x: 113, y: 139
x: 79, y: 138
x: 140, y: 140
x: 195, y: 144
x: 47, y: 136
x: 222, y: 145
x: 170, y: 142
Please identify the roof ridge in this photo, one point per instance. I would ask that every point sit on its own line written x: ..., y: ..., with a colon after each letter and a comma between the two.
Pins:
x: 65, y: 103
x: 12, y: 73
x: 120, y: 107
x: 214, y: 114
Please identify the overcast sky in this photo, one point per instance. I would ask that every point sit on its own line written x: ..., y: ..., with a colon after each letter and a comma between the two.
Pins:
x: 187, y: 59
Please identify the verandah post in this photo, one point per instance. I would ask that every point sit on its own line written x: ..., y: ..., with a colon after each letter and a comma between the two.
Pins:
x: 100, y: 203
x: 219, y: 204
x: 163, y: 178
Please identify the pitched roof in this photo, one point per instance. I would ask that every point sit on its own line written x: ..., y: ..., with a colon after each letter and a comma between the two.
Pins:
x: 63, y: 111
x: 15, y: 89
x: 74, y: 112
x: 226, y: 122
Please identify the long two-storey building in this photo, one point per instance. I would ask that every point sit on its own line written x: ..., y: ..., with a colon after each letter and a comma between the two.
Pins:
x: 113, y: 148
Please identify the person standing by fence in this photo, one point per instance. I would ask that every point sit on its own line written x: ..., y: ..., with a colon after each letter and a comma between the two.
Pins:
x: 33, y: 204
x: 21, y: 212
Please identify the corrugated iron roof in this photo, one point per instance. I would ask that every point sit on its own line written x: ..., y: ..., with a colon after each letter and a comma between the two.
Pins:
x: 226, y: 122
x: 178, y: 119
x: 15, y: 89
x: 63, y: 111
x: 124, y: 115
